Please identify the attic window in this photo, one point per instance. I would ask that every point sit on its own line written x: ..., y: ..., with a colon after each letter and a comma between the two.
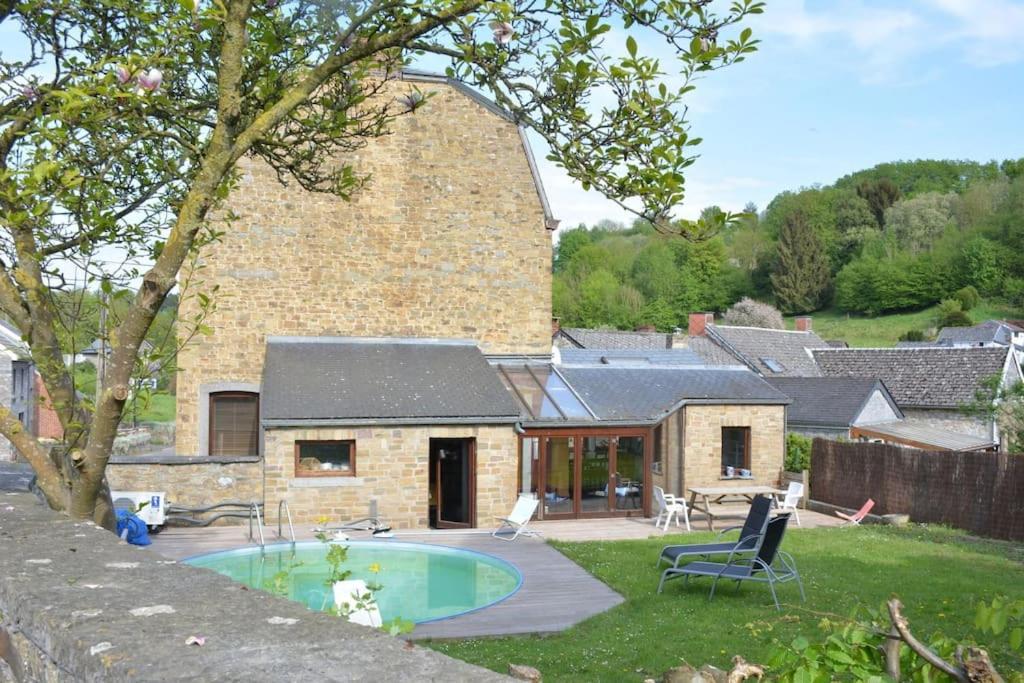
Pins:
x: 773, y: 365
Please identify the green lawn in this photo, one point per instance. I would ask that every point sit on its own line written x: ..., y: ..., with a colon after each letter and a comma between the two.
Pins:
x: 155, y: 408
x: 885, y: 330
x: 939, y: 574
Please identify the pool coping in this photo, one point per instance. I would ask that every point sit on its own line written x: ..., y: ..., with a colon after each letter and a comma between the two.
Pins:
x: 253, y: 549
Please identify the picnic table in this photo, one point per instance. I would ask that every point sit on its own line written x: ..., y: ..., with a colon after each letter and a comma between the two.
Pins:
x: 716, y: 494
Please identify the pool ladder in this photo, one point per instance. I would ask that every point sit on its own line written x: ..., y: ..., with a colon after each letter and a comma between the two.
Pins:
x: 282, y: 511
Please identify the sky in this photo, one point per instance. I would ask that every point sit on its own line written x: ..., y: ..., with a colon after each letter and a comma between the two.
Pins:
x: 841, y: 85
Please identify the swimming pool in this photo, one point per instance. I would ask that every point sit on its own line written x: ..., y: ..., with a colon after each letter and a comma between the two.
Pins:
x: 421, y: 582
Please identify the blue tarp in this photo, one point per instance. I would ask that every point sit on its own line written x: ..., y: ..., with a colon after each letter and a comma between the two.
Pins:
x: 137, y: 533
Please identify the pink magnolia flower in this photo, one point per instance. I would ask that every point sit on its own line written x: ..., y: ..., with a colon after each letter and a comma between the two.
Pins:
x: 123, y: 75
x: 503, y: 32
x: 29, y: 91
x: 151, y: 80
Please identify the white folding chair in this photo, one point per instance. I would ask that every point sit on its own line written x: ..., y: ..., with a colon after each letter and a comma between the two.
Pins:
x: 789, y: 502
x: 517, y: 521
x: 668, y: 507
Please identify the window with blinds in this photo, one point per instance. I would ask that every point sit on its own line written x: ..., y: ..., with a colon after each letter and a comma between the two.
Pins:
x: 234, y: 423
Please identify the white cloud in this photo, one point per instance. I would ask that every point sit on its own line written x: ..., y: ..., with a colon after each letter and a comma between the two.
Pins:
x: 988, y: 31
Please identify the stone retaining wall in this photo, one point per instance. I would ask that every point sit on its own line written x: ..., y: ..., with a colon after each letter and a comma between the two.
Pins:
x: 76, y: 604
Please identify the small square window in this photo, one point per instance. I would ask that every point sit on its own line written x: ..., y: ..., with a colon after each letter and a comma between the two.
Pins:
x: 325, y: 458
x: 773, y: 365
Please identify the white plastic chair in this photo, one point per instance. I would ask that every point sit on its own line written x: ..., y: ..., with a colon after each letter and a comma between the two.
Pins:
x: 793, y: 495
x: 352, y: 595
x: 517, y: 521
x: 669, y: 506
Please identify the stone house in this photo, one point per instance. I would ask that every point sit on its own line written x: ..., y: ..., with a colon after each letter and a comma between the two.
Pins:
x: 832, y: 407
x: 931, y: 385
x: 392, y: 355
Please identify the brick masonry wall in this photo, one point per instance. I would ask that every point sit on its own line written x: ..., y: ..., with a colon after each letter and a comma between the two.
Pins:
x: 193, y: 485
x: 703, y: 453
x: 47, y: 424
x: 392, y: 467
x: 448, y: 240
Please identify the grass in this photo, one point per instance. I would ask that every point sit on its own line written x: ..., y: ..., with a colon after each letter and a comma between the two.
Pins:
x: 155, y: 408
x: 939, y: 574
x: 885, y: 330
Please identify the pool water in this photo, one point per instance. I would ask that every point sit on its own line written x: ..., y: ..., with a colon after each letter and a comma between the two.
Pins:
x: 420, y: 582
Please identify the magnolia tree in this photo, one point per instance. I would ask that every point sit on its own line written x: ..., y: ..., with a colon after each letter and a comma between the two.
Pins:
x: 122, y: 124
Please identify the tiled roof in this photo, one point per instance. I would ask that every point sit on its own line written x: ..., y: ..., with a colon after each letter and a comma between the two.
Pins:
x: 991, y: 331
x: 648, y: 394
x: 936, y: 377
x: 348, y: 379
x: 710, y: 352
x: 773, y: 353
x: 616, y: 339
x: 827, y: 401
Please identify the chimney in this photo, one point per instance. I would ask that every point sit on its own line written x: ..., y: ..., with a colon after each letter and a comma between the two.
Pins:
x: 646, y: 328
x: 803, y: 323
x: 555, y: 326
x: 699, y: 322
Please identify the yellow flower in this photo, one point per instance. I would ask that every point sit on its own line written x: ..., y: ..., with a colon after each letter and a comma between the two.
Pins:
x: 375, y: 568
x: 321, y: 520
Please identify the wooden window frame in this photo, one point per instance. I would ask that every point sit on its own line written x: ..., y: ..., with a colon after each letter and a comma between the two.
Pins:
x: 213, y: 396
x: 327, y: 473
x: 748, y: 456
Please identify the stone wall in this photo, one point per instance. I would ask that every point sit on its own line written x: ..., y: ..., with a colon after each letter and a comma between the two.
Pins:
x: 7, y: 451
x: 703, y: 452
x: 191, y: 481
x: 392, y: 468
x: 448, y: 240
x: 76, y: 604
x: 950, y: 420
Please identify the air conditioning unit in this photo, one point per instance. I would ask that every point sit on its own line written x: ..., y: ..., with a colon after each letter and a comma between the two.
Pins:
x: 149, y: 506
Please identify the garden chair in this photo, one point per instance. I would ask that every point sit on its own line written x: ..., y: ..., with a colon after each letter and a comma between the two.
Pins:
x: 857, y: 517
x: 750, y: 536
x: 669, y: 506
x: 768, y: 565
x: 517, y: 521
x: 792, y: 498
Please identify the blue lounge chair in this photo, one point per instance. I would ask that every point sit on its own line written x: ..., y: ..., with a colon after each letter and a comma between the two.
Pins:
x: 750, y: 534
x: 768, y: 565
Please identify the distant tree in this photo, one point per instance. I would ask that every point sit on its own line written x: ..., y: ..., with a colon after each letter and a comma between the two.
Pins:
x: 660, y: 314
x: 880, y: 195
x: 569, y: 242
x: 801, y: 275
x: 855, y: 224
x: 981, y: 265
x: 655, y: 272
x: 1012, y: 168
x: 918, y: 222
x: 952, y: 314
x: 1004, y: 404
x: 968, y: 297
x: 913, y: 336
x: 925, y: 175
x: 749, y: 313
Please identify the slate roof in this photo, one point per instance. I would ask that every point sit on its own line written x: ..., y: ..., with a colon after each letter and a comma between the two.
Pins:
x: 710, y: 352
x: 936, y: 377
x: 923, y: 435
x: 669, y: 357
x: 647, y: 395
x: 828, y: 401
x: 351, y: 380
x: 583, y: 338
x: 757, y: 346
x: 990, y: 331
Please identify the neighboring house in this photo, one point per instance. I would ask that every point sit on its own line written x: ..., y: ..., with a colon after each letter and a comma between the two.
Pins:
x: 17, y: 383
x: 988, y: 333
x: 350, y: 368
x: 91, y: 353
x: 831, y: 407
x: 931, y: 385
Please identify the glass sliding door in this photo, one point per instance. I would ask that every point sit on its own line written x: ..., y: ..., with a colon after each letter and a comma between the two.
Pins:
x: 630, y: 473
x: 559, y: 476
x: 596, y: 467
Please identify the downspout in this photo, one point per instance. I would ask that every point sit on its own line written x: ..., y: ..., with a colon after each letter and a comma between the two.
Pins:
x: 681, y: 435
x: 518, y: 428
